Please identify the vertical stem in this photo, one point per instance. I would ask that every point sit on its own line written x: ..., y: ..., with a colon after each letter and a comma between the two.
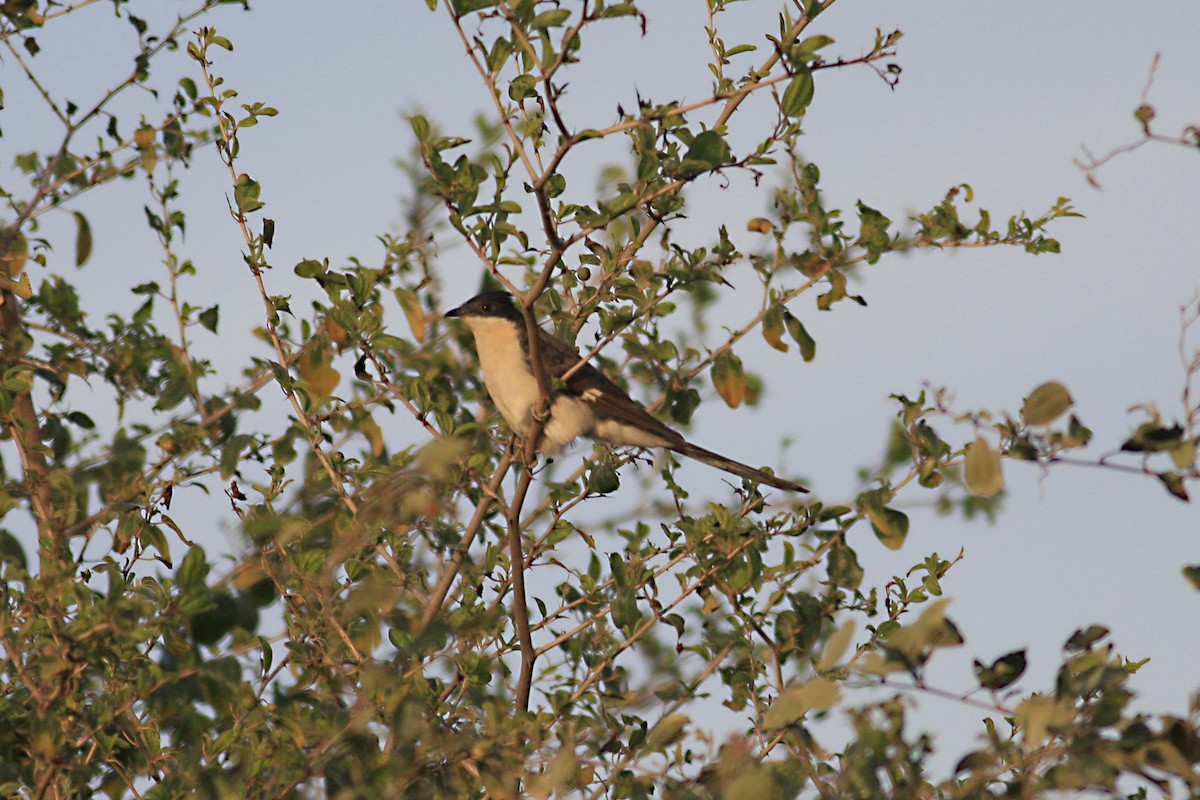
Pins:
x: 520, y: 605
x: 26, y: 431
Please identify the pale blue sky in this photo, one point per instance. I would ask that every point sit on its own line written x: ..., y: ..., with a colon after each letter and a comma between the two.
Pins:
x: 998, y: 95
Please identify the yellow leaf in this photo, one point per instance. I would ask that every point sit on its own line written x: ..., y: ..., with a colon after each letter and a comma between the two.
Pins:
x: 322, y: 379
x: 22, y: 288
x: 1184, y: 455
x: 370, y: 429
x: 772, y: 329
x: 14, y: 250
x: 337, y: 334
x: 890, y: 526
x: 562, y: 769
x: 413, y: 312
x: 1038, y: 715
x: 1046, y: 403
x: 759, y: 225
x: 246, y: 575
x: 143, y: 137
x: 931, y: 630
x: 983, y: 474
x: 437, y: 457
x: 667, y: 731
x: 835, y: 647
x: 876, y: 664
x: 729, y: 380
x: 817, y: 694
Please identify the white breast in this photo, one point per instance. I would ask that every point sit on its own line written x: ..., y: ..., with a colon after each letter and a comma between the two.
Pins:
x: 507, y: 376
x: 514, y: 390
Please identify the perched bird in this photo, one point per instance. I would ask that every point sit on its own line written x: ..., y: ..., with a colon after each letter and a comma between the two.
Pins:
x: 587, y: 404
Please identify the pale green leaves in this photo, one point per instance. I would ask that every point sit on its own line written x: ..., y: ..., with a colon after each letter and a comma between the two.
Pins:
x: 667, y: 731
x: 816, y: 694
x: 910, y: 646
x: 836, y: 646
x: 983, y: 474
x: 1046, y: 403
x: 1039, y: 715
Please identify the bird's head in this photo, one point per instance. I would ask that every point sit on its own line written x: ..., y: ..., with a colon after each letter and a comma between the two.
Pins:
x: 495, y: 305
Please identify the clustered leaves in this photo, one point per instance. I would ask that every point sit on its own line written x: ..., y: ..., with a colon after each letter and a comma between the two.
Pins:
x: 443, y: 616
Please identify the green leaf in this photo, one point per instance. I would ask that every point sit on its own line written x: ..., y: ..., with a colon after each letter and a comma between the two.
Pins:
x: 1046, y: 403
x: 555, y: 185
x: 245, y: 194
x: 843, y: 567
x: 873, y: 232
x: 1174, y: 484
x: 1002, y: 672
x: 983, y: 474
x: 11, y: 551
x: 798, y: 94
x: 83, y: 239
x: 808, y: 346
x: 194, y: 569
x: 420, y: 127
x: 152, y: 536
x: 1192, y: 573
x: 522, y: 86
x: 209, y: 318
x: 1152, y: 437
x: 1084, y: 638
x: 499, y: 53
x: 462, y: 7
x: 1077, y: 434
x: 602, y: 479
x: 309, y: 268
x: 710, y: 150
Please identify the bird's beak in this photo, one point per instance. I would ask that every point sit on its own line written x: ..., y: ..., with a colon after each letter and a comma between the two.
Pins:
x: 454, y: 312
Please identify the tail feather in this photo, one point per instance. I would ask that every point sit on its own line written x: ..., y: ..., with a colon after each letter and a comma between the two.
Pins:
x: 737, y: 468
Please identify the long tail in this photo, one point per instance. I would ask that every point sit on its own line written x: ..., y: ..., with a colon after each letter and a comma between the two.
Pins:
x: 737, y: 468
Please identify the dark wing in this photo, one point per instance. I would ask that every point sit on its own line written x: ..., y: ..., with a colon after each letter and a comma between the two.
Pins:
x: 612, y: 403
x: 588, y: 383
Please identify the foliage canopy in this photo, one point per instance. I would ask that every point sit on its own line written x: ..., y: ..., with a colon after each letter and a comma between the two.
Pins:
x: 446, y: 617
